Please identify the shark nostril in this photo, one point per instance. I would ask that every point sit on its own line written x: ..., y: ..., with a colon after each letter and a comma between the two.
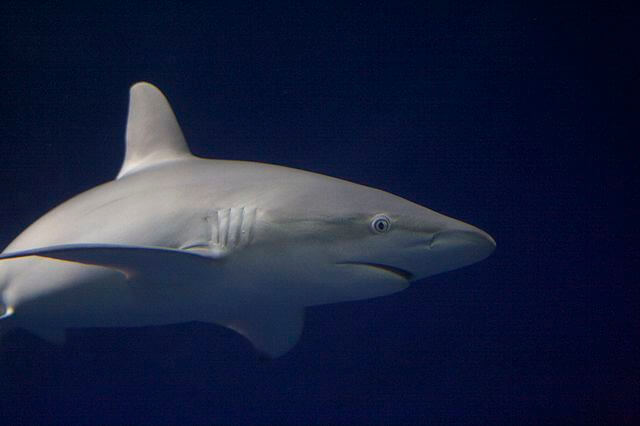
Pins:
x: 431, y: 240
x: 422, y: 243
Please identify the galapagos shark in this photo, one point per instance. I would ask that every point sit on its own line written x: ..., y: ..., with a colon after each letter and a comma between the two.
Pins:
x: 177, y: 238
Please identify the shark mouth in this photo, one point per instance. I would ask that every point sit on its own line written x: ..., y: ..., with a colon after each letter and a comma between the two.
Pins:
x: 402, y: 273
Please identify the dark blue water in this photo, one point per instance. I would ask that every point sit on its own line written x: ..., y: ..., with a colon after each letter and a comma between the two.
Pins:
x: 511, y: 117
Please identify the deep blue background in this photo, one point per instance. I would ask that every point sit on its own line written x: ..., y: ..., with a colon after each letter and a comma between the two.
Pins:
x: 512, y: 117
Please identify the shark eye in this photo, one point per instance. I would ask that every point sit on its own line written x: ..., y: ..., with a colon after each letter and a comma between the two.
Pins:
x: 380, y: 224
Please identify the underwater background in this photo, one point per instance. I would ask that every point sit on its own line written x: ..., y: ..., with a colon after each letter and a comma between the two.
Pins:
x: 513, y: 117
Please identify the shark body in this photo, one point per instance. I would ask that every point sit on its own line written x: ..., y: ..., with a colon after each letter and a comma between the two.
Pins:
x: 248, y: 246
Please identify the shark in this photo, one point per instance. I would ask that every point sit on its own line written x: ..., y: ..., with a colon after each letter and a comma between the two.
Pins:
x: 176, y: 238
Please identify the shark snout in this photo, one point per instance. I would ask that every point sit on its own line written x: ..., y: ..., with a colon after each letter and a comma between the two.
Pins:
x: 453, y: 246
x: 472, y: 244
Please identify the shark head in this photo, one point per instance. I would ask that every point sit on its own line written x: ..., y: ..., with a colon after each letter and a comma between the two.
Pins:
x: 346, y: 241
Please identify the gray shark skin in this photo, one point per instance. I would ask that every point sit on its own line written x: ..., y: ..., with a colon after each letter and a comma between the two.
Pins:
x: 248, y: 246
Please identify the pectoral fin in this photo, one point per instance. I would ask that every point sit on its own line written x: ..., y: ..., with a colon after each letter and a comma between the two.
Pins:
x: 135, y: 262
x: 272, y: 331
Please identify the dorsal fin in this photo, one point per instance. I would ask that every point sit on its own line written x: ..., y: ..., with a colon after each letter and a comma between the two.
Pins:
x: 153, y: 134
